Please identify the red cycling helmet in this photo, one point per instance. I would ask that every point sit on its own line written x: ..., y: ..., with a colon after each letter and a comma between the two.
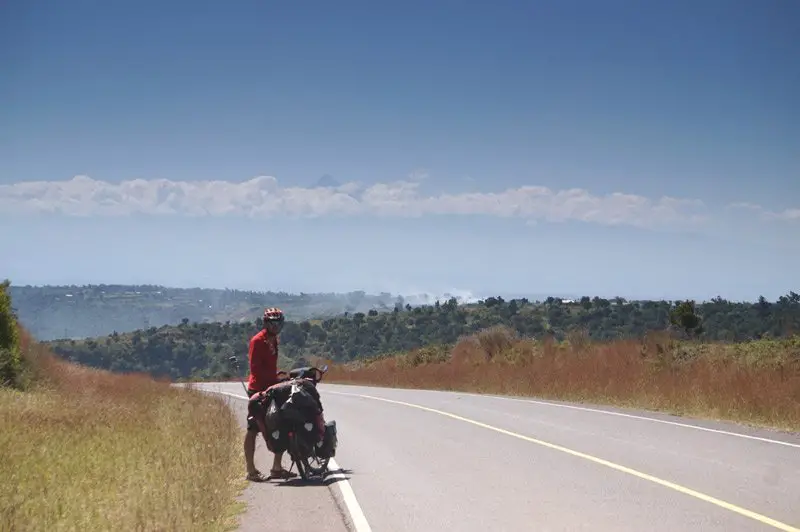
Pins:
x: 274, y: 319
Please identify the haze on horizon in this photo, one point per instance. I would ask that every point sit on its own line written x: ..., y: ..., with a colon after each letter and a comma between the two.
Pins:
x: 573, y: 148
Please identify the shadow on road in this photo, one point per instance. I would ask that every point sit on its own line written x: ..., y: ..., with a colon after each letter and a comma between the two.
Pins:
x: 331, y: 477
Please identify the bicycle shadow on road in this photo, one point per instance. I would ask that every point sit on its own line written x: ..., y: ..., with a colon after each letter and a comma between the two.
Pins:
x: 329, y: 478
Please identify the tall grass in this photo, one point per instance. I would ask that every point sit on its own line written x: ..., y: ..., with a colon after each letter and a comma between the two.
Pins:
x: 85, y: 449
x: 755, y: 382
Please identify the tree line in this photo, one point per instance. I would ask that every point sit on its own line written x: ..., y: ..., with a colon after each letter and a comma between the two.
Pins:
x: 201, y: 350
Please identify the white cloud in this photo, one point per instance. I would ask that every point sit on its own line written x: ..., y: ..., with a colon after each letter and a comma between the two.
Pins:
x: 262, y: 197
x: 785, y: 215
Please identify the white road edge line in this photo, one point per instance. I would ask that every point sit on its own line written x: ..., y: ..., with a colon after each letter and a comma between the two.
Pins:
x: 356, y: 513
x: 654, y: 420
x: 608, y: 412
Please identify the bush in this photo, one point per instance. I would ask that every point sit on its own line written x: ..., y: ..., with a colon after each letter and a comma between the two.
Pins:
x: 10, y: 361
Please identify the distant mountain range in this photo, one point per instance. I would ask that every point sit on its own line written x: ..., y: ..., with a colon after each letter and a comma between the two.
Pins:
x: 327, y: 181
x: 53, y: 312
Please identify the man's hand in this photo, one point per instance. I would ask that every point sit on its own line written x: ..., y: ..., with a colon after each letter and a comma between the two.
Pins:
x: 259, y: 396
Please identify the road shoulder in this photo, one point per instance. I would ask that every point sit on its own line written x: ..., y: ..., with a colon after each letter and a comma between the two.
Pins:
x: 287, y: 505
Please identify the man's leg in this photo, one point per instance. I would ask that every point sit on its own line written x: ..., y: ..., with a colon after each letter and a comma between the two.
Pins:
x: 277, y: 463
x: 277, y: 470
x: 250, y: 451
x: 253, y: 428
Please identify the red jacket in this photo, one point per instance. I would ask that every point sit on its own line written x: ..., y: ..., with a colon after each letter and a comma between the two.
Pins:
x: 263, y: 355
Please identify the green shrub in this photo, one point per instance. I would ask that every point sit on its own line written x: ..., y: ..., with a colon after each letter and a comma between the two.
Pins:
x: 10, y: 362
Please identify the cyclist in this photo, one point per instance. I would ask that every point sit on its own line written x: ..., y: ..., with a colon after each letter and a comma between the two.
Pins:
x: 263, y: 355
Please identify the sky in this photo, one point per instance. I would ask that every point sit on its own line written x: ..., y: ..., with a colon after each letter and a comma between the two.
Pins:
x: 640, y: 149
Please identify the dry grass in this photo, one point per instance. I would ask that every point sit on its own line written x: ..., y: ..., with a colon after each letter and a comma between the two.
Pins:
x: 89, y: 450
x: 755, y: 382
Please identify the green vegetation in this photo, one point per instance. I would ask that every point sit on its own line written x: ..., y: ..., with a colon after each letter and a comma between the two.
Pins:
x: 11, y: 366
x: 85, y: 449
x: 53, y: 312
x: 200, y: 351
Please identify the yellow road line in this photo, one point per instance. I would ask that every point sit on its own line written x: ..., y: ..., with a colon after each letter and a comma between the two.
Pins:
x: 677, y: 487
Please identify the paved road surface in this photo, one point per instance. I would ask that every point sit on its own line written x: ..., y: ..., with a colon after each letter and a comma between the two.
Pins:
x: 480, y: 462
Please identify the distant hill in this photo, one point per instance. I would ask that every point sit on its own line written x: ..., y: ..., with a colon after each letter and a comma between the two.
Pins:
x: 51, y: 312
x: 327, y: 181
x: 201, y: 351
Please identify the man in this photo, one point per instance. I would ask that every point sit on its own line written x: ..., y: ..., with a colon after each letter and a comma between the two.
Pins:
x: 263, y: 355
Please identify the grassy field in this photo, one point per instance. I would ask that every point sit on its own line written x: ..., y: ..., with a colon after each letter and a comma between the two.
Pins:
x: 756, y: 382
x: 84, y: 449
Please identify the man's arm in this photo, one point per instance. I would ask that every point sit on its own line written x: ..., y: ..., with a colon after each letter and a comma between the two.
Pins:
x: 253, y: 356
x: 260, y: 363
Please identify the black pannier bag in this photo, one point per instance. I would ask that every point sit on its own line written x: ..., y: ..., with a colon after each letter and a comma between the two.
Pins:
x: 327, y: 447
x: 303, y: 403
x: 280, y: 392
x: 278, y: 439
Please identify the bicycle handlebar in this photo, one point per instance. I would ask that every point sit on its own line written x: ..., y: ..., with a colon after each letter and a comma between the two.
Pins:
x: 308, y: 372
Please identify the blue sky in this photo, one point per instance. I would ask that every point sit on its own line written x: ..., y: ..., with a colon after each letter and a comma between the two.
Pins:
x: 569, y: 147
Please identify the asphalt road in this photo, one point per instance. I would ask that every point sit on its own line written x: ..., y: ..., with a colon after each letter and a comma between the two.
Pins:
x: 482, y: 462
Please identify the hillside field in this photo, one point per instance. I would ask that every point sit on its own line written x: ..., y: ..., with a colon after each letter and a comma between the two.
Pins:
x: 754, y: 382
x: 85, y: 449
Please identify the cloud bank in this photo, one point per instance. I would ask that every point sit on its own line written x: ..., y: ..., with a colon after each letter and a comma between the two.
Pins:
x: 766, y: 214
x: 263, y: 197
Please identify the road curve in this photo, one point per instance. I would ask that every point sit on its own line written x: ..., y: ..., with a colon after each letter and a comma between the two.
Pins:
x: 426, y: 460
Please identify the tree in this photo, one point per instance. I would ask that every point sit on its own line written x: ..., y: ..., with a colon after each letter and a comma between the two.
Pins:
x: 513, y: 308
x: 599, y: 302
x: 494, y: 301
x: 292, y: 333
x: 318, y: 334
x: 685, y: 317
x: 10, y: 361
